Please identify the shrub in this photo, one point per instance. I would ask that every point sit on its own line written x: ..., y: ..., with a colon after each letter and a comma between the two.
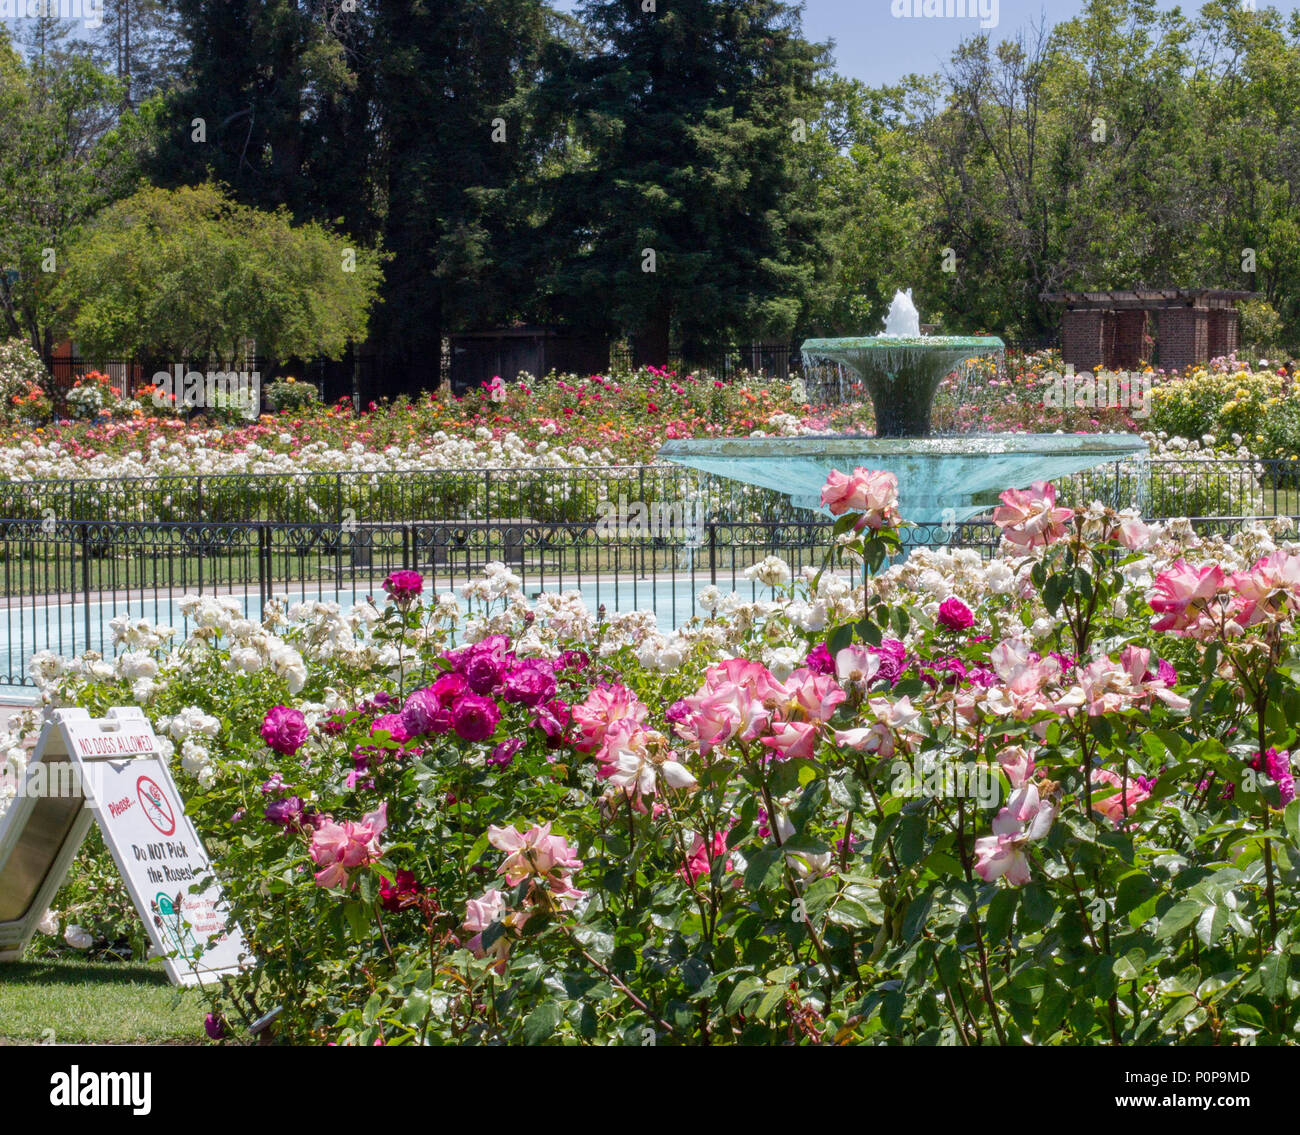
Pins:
x: 289, y: 395
x: 23, y: 381
x: 523, y: 824
x: 1261, y: 328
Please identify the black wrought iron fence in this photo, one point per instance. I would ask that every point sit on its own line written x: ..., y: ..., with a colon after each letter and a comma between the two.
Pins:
x: 76, y: 553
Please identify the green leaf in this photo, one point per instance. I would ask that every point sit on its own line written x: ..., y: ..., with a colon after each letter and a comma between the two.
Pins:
x: 1178, y: 1011
x: 853, y: 914
x: 742, y: 993
x: 1273, y: 975
x: 1036, y: 906
x: 769, y: 1001
x: 997, y: 919
x: 541, y: 1023
x: 416, y: 1007
x: 1291, y: 821
x: 1178, y: 917
x: 839, y: 638
x: 1130, y: 965
x: 760, y: 864
x: 358, y: 919
x: 1211, y: 924
x: 917, y: 912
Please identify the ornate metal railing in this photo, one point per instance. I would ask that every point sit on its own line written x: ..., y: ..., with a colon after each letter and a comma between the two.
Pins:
x: 75, y: 553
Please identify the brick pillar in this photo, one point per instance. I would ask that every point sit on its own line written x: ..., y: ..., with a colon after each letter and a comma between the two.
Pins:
x: 1130, y: 339
x: 1184, y: 337
x: 1082, y: 335
x: 1224, y: 331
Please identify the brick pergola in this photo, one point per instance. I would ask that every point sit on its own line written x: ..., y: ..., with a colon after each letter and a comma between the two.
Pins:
x: 1110, y: 329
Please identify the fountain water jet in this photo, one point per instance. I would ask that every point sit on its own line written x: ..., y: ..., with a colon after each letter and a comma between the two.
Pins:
x: 940, y: 479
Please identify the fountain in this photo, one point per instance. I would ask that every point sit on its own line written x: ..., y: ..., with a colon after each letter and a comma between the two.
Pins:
x: 941, y: 479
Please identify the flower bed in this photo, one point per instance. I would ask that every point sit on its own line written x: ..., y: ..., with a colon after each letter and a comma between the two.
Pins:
x: 1043, y: 799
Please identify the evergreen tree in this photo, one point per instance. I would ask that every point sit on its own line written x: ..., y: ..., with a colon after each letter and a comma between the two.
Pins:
x: 684, y: 207
x: 457, y: 156
x: 137, y: 41
x: 256, y: 76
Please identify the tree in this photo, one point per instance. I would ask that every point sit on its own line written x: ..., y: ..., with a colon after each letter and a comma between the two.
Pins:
x: 400, y: 121
x: 684, y: 209
x: 136, y: 42
x: 175, y: 275
x: 246, y: 114
x: 63, y: 155
x: 458, y: 159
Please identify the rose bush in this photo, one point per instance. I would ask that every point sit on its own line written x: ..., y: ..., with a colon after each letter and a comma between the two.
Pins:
x: 1047, y: 798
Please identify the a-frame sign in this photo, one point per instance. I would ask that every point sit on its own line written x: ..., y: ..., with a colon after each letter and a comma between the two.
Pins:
x: 109, y: 771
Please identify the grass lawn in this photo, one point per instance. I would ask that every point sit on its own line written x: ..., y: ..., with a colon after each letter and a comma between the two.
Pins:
x: 82, y: 1002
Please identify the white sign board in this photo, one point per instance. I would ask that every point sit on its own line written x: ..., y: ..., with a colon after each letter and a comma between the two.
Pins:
x: 120, y: 779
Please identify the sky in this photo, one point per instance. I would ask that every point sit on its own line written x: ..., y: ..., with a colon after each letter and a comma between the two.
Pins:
x: 873, y: 45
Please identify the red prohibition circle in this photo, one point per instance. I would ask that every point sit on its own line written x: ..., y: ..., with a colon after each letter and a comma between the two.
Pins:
x: 154, y: 801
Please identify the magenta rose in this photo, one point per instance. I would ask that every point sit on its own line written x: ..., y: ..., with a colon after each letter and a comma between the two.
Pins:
x: 424, y: 713
x: 893, y: 659
x: 504, y: 754
x: 819, y: 660
x: 448, y: 687
x: 573, y: 660
x: 484, y: 671
x: 553, y: 720
x: 403, y: 586
x: 530, y: 683
x: 392, y: 724
x: 287, y: 812
x: 955, y: 615
x: 474, y: 718
x: 284, y: 729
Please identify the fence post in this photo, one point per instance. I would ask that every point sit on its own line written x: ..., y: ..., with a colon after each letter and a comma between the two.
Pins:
x: 713, y: 552
x: 263, y: 566
x: 338, y: 529
x: 85, y: 575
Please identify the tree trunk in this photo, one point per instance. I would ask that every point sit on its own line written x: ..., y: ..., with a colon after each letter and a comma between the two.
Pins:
x: 650, y: 343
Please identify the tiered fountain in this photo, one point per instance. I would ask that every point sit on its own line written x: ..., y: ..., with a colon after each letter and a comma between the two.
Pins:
x: 941, y: 480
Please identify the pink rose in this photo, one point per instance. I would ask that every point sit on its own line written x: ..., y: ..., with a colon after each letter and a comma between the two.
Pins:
x: 874, y: 493
x: 792, y: 740
x: 1029, y: 517
x: 339, y: 848
x: 1270, y: 587
x: 702, y: 857
x: 1182, y: 594
x: 1119, y: 804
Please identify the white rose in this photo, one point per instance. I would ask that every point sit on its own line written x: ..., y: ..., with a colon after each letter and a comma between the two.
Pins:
x: 77, y: 937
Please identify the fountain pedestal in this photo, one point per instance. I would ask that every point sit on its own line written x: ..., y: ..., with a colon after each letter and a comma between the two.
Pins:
x: 902, y: 373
